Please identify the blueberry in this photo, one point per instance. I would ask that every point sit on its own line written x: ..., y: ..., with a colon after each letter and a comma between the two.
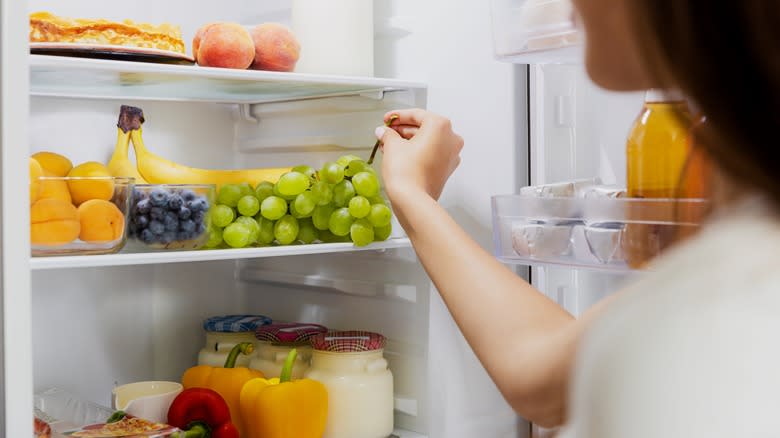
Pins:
x: 158, y: 197
x: 157, y: 213
x: 168, y: 237
x: 184, y: 213
x: 188, y: 225
x: 185, y: 235
x: 143, y: 206
x: 139, y: 195
x: 198, y: 217
x: 147, y: 236
x: 171, y: 222
x: 156, y: 227
x: 198, y: 204
x: 175, y: 202
x: 142, y: 221
x: 132, y: 229
x: 188, y: 195
x: 200, y: 229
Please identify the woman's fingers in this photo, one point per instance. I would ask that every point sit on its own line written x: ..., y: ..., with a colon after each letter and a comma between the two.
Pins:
x: 414, y: 117
x: 406, y: 131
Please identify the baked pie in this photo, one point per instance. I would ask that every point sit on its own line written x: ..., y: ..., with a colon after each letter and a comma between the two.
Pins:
x: 49, y: 28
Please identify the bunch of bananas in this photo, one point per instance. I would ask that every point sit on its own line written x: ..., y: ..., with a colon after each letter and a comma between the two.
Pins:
x: 153, y: 169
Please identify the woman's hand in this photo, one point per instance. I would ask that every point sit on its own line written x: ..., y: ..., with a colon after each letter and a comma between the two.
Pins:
x: 420, y: 153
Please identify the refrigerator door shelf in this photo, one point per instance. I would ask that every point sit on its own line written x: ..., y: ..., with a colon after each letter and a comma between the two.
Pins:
x: 154, y: 258
x: 606, y: 234
x: 535, y: 32
x: 56, y: 76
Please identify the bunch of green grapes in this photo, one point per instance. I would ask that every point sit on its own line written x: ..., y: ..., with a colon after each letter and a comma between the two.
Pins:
x: 339, y: 203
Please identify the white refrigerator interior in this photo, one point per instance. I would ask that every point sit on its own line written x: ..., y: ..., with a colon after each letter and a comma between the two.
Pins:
x: 95, y: 325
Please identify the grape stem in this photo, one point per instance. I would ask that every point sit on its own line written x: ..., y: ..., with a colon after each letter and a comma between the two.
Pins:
x: 389, y: 122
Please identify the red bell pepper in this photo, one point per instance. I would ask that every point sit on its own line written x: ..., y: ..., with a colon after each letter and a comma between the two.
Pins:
x: 201, y: 413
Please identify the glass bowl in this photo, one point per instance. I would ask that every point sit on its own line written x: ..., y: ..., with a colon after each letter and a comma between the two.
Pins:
x: 170, y: 216
x: 79, y: 215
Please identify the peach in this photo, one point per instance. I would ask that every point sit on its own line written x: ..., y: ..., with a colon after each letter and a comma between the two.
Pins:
x: 36, y: 171
x: 53, y: 188
x: 276, y: 48
x: 54, y: 164
x: 225, y: 45
x: 82, y: 190
x: 199, y: 36
x: 101, y: 221
x: 53, y: 222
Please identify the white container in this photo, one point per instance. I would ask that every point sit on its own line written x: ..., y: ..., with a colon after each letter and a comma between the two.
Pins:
x: 147, y: 400
x: 225, y: 332
x: 273, y: 345
x: 337, y: 36
x: 359, y: 384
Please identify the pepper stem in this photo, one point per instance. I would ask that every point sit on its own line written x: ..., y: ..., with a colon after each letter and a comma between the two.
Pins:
x: 288, y: 366
x: 197, y: 430
x: 242, y: 348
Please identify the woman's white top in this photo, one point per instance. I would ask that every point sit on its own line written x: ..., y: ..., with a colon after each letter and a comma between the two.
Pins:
x: 693, y: 349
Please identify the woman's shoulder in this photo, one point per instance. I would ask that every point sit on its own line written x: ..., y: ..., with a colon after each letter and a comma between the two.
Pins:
x: 690, y: 350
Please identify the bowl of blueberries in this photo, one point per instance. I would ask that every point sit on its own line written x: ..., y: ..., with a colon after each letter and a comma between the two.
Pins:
x: 170, y: 216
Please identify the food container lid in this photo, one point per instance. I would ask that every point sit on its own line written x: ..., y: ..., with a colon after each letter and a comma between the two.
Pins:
x: 235, y: 323
x: 348, y: 342
x: 288, y: 333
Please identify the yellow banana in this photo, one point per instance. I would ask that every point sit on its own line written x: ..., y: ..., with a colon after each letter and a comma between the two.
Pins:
x: 158, y: 170
x: 120, y: 164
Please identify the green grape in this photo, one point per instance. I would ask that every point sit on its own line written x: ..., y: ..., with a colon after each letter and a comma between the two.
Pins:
x: 307, y: 233
x: 229, y: 195
x: 322, y: 191
x: 215, y: 237
x: 331, y: 173
x: 246, y: 189
x: 346, y: 159
x: 340, y: 221
x: 305, y: 203
x: 253, y: 226
x: 266, y: 235
x: 279, y: 194
x: 342, y: 193
x: 248, y: 205
x: 327, y: 237
x: 355, y: 167
x: 366, y: 184
x: 264, y: 190
x: 383, y: 233
x: 237, y: 235
x: 359, y: 207
x: 292, y: 183
x: 377, y: 200
x: 361, y: 232
x: 222, y: 216
x: 306, y: 170
x: 286, y: 230
x: 321, y: 216
x: 273, y: 208
x: 380, y: 215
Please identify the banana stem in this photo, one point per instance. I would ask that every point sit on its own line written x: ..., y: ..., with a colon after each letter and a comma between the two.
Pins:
x: 130, y: 118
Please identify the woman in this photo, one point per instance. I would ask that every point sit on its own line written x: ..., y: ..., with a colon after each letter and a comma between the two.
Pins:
x: 692, y: 349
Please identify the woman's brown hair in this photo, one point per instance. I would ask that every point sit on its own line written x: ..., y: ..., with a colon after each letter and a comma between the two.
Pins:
x: 725, y: 55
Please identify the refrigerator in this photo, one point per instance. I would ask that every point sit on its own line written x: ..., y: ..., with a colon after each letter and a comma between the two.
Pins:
x: 86, y: 324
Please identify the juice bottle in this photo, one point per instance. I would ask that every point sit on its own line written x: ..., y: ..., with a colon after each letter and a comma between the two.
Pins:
x: 657, y: 154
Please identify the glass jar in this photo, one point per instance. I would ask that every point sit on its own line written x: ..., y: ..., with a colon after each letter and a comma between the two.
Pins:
x: 274, y: 343
x: 224, y: 332
x: 352, y: 367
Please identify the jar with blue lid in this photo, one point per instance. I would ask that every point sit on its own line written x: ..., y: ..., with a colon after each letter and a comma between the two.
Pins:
x: 224, y: 332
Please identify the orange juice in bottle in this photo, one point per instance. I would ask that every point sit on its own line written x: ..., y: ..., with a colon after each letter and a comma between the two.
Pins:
x: 657, y: 152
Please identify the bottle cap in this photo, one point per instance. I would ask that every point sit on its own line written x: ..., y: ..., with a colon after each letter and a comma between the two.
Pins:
x: 288, y: 333
x: 235, y: 323
x: 656, y: 95
x: 348, y: 342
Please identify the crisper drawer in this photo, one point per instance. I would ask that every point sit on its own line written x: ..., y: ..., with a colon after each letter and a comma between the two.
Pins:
x: 613, y: 234
x: 535, y: 31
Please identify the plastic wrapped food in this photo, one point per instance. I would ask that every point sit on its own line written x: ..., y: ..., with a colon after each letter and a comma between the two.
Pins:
x: 568, y: 189
x: 65, y: 412
x: 604, y: 192
x: 542, y: 240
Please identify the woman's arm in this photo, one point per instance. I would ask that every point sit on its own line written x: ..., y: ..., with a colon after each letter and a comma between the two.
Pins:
x: 488, y: 301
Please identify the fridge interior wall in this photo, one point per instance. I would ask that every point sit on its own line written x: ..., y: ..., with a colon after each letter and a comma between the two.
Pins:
x: 96, y: 327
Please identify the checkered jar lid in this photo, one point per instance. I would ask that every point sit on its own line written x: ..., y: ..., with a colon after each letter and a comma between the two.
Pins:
x: 235, y: 323
x: 288, y: 333
x: 354, y: 341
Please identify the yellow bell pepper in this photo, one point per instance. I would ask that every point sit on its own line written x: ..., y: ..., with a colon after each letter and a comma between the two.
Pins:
x: 227, y: 381
x: 281, y: 408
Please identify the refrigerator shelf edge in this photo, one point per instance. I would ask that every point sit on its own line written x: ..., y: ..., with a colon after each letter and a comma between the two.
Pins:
x: 400, y: 433
x: 149, y: 258
x: 55, y: 76
x: 607, y: 234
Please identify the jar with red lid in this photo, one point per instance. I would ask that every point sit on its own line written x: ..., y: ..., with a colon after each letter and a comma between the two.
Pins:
x: 274, y: 343
x: 352, y: 367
